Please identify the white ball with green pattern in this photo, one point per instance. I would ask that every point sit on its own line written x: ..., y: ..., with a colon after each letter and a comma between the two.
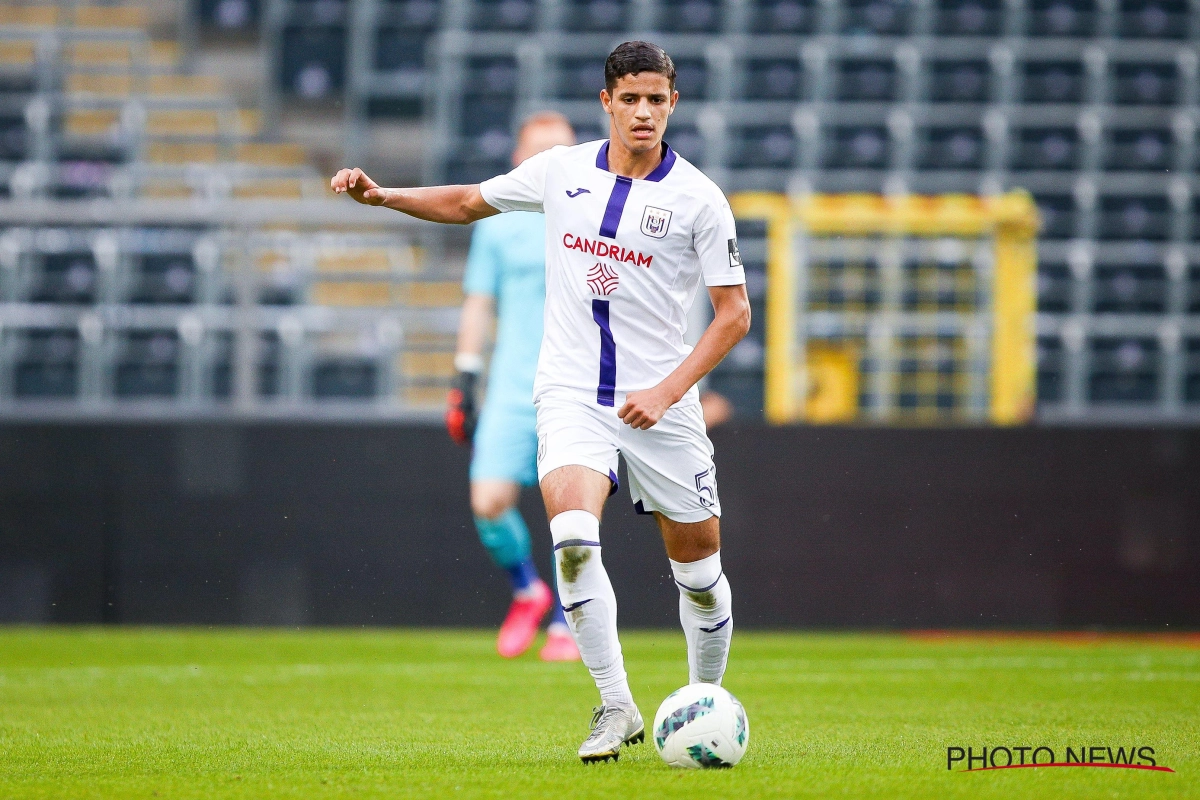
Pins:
x: 701, y: 726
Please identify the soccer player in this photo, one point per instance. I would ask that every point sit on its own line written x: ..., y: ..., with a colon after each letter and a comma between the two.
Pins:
x: 631, y: 231
x: 507, y: 267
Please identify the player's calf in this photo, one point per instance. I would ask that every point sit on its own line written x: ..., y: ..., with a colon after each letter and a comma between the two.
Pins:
x: 706, y: 614
x: 590, y: 605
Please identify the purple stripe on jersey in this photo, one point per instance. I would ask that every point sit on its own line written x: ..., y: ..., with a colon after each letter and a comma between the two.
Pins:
x: 616, y: 205
x: 606, y: 391
x: 660, y: 172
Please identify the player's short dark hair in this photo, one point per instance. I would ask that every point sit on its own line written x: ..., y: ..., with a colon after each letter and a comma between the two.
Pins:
x: 632, y: 58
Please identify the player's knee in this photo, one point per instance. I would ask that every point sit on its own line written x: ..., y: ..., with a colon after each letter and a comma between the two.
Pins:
x: 576, y: 536
x: 490, y: 502
x: 702, y: 583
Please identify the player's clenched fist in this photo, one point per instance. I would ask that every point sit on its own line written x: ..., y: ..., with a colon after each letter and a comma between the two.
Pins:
x: 358, y: 185
x: 643, y: 409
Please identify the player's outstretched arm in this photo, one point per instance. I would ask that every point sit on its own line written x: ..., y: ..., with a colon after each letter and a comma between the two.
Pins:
x: 731, y: 322
x: 456, y: 205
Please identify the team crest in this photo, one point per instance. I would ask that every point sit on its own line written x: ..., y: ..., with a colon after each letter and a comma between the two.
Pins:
x: 602, y: 279
x: 655, y: 222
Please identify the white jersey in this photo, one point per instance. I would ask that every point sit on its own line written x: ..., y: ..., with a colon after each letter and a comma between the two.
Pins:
x: 624, y: 258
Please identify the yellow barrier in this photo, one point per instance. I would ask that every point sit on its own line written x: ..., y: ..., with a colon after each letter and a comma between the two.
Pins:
x: 1009, y: 221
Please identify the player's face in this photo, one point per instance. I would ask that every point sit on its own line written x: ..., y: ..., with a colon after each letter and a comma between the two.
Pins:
x: 537, y: 137
x: 639, y: 106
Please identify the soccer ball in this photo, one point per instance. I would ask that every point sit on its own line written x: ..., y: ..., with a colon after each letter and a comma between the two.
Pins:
x: 701, y: 726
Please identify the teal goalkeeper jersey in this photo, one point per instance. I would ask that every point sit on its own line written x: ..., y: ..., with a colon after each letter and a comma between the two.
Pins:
x: 508, y: 262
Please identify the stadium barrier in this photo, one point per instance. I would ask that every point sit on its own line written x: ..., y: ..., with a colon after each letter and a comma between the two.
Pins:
x: 898, y: 310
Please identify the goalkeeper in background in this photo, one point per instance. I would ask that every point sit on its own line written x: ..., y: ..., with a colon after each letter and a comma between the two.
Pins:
x: 507, y: 267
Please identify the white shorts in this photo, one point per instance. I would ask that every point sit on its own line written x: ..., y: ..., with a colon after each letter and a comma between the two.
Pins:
x: 671, y: 468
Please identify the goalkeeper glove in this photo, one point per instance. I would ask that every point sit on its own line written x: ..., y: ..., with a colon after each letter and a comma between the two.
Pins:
x: 461, y: 414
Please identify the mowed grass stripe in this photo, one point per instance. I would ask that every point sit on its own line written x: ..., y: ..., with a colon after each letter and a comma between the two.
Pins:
x: 189, y: 713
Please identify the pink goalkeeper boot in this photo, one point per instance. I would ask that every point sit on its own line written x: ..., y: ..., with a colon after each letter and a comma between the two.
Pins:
x: 559, y: 645
x: 524, y: 618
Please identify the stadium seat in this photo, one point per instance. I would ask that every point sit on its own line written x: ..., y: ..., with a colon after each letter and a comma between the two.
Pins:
x: 765, y: 147
x: 182, y: 153
x: 352, y: 293
x: 856, y: 147
x: 400, y: 49
x: 959, y: 81
x: 1123, y: 370
x: 68, y: 277
x: 690, y: 16
x: 871, y: 80
x: 344, y: 377
x: 773, y: 79
x: 687, y: 141
x: 82, y: 178
x: 503, y: 15
x: 1133, y: 289
x: 1054, y: 288
x: 230, y: 16
x: 969, y: 17
x: 312, y: 65
x: 691, y: 79
x: 1061, y: 18
x: 14, y: 136
x: 876, y: 17
x: 1139, y: 149
x: 1191, y: 376
x: 783, y: 16
x: 147, y: 364
x: 1059, y: 81
x: 1153, y: 19
x: 271, y: 154
x: 34, y: 15
x: 133, y: 17
x: 958, y: 147
x: 1134, y: 217
x: 1057, y: 213
x: 1038, y: 148
x: 183, y: 123
x: 1050, y: 368
x: 164, y: 279
x: 1145, y: 84
x: 430, y: 294
x: 580, y: 78
x: 597, y: 16
x: 47, y: 364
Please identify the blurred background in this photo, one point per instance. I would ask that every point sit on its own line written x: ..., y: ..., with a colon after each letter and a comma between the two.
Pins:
x: 221, y: 387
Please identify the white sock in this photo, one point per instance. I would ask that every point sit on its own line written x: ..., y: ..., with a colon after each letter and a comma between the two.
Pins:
x: 706, y: 613
x: 590, y: 605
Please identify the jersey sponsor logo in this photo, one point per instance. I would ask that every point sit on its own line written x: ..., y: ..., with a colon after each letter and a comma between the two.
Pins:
x: 605, y: 250
x: 578, y: 192
x: 602, y: 279
x: 735, y: 256
x: 655, y: 222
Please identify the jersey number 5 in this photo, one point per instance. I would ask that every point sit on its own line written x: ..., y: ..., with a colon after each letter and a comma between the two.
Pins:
x: 706, y: 487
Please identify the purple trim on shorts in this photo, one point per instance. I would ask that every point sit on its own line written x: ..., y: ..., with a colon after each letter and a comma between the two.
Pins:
x: 616, y: 483
x: 640, y: 508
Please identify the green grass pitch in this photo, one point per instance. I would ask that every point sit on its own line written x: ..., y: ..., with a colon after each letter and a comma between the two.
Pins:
x: 191, y: 713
